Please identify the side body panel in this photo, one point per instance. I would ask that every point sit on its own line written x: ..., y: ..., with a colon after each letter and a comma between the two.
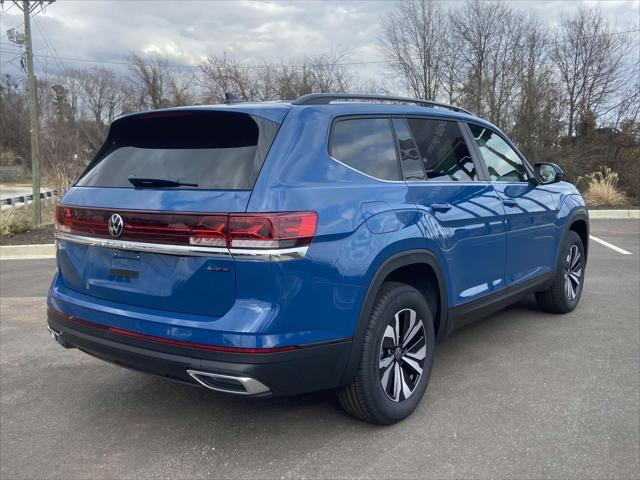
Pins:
x: 531, y: 234
x: 469, y: 239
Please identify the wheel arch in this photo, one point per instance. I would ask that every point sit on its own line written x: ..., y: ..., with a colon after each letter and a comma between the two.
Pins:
x: 577, y: 221
x: 580, y: 225
x: 403, y: 267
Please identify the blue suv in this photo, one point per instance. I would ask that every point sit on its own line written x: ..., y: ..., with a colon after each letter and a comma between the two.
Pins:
x: 324, y: 243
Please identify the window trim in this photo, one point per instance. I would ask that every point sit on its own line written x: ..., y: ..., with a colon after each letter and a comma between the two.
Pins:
x: 479, y: 166
x: 485, y: 169
x: 342, y: 118
x: 402, y: 173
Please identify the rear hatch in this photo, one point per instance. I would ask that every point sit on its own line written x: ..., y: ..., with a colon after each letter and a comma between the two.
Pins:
x: 144, y: 225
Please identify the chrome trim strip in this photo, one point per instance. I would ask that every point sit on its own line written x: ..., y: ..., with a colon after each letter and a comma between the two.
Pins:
x: 251, y: 385
x: 362, y: 173
x: 275, y: 255
x: 191, y: 250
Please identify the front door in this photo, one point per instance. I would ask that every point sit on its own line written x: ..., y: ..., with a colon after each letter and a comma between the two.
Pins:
x: 529, y: 208
x: 462, y: 216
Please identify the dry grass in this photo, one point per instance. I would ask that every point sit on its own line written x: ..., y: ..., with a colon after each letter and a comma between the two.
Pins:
x: 602, y: 189
x: 19, y: 220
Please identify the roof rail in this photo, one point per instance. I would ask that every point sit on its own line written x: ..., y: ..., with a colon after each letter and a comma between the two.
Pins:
x: 326, y: 98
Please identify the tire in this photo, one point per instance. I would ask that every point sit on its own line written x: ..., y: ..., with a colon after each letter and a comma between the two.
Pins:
x: 565, y: 292
x: 397, y: 312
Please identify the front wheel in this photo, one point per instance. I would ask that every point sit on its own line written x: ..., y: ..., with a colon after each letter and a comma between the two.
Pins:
x: 396, y: 360
x: 566, y: 290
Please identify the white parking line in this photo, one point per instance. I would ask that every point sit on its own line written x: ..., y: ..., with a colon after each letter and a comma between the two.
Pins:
x: 608, y: 245
x: 26, y: 257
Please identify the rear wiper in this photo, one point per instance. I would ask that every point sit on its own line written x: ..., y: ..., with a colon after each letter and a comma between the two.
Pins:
x: 158, y: 183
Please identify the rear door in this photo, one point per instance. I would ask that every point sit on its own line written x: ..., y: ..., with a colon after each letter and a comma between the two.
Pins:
x: 529, y: 208
x: 144, y: 225
x: 462, y: 215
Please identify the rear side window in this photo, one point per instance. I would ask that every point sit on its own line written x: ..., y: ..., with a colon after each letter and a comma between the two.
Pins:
x: 208, y: 150
x: 367, y: 145
x: 503, y: 163
x: 444, y: 153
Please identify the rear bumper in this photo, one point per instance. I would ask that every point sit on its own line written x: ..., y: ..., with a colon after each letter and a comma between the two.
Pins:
x: 305, y: 369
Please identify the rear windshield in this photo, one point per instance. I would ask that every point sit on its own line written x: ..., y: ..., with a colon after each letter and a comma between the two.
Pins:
x: 208, y: 150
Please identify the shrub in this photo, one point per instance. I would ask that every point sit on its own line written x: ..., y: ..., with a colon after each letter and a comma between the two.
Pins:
x: 20, y: 220
x: 12, y: 224
x: 602, y: 189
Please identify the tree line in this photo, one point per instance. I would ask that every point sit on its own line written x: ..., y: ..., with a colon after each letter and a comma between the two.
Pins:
x: 569, y: 94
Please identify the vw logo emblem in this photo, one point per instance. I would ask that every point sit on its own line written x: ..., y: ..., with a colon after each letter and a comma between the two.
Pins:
x: 116, y: 225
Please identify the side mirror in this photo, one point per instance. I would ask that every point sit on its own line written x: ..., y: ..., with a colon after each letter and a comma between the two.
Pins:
x: 547, y: 173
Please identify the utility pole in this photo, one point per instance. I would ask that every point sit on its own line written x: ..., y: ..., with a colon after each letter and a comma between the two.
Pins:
x: 27, y: 7
x: 33, y: 116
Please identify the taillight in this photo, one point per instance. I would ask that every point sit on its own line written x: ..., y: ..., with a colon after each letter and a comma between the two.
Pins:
x: 257, y: 231
x: 210, y: 231
x: 272, y: 230
x: 63, y: 219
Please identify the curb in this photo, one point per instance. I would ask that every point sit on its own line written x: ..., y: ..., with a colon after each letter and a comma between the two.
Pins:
x: 27, y: 252
x: 614, y: 214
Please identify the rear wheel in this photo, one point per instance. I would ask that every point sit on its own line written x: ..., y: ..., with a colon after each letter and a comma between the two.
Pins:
x: 564, y: 294
x: 396, y: 360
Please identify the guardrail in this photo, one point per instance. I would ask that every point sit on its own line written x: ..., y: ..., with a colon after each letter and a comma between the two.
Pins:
x: 23, y: 200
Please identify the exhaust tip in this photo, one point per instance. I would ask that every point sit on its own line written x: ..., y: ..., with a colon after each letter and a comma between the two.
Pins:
x: 55, y: 335
x: 229, y: 383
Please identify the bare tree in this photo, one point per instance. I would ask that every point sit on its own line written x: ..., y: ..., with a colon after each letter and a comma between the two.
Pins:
x: 538, y: 100
x: 100, y: 91
x: 273, y: 81
x: 327, y: 73
x: 590, y: 58
x: 452, y: 68
x: 224, y: 74
x: 15, y: 142
x: 490, y: 35
x: 61, y: 158
x: 156, y: 85
x: 413, y: 41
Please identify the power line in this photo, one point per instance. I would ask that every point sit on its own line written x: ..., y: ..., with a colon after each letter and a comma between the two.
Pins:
x: 46, y: 42
x: 245, y: 67
x: 8, y: 62
x: 6, y: 10
x: 57, y: 58
x: 261, y: 67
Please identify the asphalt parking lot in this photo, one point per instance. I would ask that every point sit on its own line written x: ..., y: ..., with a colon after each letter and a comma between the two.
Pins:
x: 521, y: 394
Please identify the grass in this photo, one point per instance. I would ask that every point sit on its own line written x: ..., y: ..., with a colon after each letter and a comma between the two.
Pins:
x: 602, y: 189
x: 20, y: 220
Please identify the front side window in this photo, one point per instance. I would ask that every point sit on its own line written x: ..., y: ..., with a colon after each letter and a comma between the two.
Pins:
x: 366, y: 144
x: 503, y: 163
x: 444, y: 153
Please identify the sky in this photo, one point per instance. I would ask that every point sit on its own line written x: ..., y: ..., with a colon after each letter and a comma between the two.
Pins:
x: 250, y: 31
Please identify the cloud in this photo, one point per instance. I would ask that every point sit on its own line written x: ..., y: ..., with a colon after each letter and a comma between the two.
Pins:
x: 185, y: 31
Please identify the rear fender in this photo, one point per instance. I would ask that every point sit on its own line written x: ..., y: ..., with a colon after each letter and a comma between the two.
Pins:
x: 402, y: 259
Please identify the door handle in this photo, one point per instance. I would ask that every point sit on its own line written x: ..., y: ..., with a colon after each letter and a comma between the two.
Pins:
x: 440, y: 207
x: 509, y: 203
